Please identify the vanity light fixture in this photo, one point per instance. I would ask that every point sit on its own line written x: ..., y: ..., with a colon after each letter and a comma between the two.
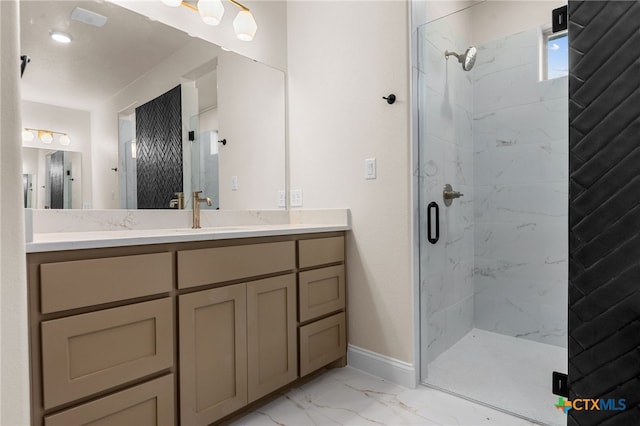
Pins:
x: 60, y: 37
x: 211, y: 12
x: 45, y: 136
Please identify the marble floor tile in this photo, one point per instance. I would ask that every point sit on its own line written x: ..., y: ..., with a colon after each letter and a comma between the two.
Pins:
x: 502, y: 371
x: 347, y: 396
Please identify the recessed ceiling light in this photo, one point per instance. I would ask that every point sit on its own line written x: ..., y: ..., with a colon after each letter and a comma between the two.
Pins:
x: 60, y: 37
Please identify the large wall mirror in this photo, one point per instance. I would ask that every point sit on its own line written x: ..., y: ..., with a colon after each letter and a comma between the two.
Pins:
x: 141, y: 101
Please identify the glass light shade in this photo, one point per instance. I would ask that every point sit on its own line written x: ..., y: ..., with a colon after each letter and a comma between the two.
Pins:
x: 211, y: 11
x: 65, y: 140
x: 172, y: 3
x: 245, y: 25
x: 27, y: 135
x: 45, y: 137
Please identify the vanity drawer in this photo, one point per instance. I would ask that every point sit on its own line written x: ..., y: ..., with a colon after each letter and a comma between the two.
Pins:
x: 215, y: 265
x: 80, y: 283
x: 148, y: 404
x: 320, y: 251
x: 322, y: 342
x: 89, y: 353
x: 322, y: 291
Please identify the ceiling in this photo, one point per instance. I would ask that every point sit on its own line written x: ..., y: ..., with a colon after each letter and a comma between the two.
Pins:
x: 99, y: 61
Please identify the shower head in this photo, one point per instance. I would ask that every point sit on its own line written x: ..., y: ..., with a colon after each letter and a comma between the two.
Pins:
x: 467, y: 59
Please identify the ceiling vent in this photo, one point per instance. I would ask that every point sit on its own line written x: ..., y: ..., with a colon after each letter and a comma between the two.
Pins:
x: 88, y: 17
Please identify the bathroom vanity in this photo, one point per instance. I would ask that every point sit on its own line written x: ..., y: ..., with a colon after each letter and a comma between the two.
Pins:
x: 183, y: 328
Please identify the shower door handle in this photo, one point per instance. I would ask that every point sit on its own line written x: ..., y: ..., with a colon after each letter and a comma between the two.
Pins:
x: 433, y: 207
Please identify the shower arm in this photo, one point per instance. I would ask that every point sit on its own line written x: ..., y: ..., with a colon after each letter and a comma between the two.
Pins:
x: 447, y: 54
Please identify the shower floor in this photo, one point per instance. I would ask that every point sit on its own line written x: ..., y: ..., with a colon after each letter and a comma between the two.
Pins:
x: 508, y: 373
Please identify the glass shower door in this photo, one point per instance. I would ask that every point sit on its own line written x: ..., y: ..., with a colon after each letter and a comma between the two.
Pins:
x: 493, y: 278
x: 446, y: 158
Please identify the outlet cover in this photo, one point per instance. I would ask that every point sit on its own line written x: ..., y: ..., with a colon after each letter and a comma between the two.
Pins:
x: 296, y: 198
x: 370, y: 168
x: 282, y: 199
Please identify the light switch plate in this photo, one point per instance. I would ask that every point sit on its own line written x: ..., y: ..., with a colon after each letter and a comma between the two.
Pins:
x: 234, y: 183
x: 370, y: 168
x: 296, y: 198
x: 282, y: 199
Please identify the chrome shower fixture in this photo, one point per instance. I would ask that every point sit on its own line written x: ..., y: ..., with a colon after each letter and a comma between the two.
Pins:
x: 467, y: 59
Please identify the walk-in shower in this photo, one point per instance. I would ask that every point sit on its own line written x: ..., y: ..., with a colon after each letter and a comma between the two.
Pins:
x: 493, y: 285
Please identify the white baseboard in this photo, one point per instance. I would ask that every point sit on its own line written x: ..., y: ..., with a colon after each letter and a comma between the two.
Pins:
x: 391, y: 369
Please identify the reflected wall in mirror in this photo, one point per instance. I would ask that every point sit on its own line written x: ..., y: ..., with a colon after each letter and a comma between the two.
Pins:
x: 108, y: 72
x: 52, y: 179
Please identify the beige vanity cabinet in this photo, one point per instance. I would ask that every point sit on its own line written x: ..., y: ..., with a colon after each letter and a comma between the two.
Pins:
x: 181, y: 333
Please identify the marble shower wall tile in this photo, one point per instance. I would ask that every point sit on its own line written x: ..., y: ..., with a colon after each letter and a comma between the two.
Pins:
x: 519, y: 165
x: 543, y: 123
x: 448, y: 326
x: 526, y: 203
x: 520, y: 131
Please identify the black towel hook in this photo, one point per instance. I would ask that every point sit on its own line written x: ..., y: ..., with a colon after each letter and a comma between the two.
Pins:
x: 390, y: 99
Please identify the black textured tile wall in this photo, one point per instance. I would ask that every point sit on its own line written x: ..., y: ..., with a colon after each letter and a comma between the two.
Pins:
x: 604, y: 209
x: 159, y: 150
x: 56, y: 175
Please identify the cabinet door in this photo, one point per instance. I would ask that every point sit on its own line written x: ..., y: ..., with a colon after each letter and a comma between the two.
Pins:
x: 271, y: 331
x: 213, y: 348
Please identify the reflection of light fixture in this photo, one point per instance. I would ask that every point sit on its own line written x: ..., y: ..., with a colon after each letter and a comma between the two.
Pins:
x: 60, y: 37
x: 45, y: 136
x: 212, y: 11
x: 27, y: 135
x: 134, y: 149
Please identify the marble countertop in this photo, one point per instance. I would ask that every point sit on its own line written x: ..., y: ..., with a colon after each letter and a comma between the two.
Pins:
x: 100, y: 239
x: 58, y: 231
